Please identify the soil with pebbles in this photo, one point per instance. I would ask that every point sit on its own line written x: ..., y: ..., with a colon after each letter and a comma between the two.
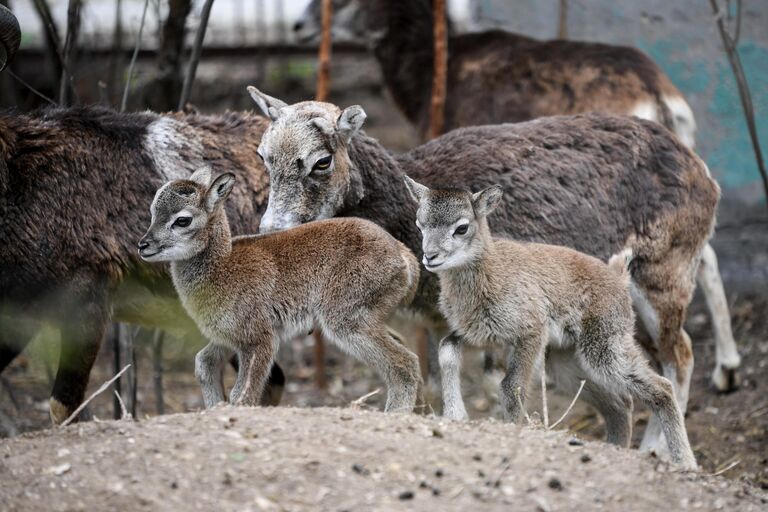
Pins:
x: 341, y: 459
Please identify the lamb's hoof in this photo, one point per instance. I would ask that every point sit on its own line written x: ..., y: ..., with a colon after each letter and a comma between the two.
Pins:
x: 725, y: 380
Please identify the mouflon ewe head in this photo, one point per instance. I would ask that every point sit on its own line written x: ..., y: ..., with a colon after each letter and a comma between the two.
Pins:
x: 181, y: 216
x: 305, y: 153
x: 452, y: 223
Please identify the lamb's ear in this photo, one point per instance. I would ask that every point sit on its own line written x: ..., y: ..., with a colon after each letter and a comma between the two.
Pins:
x: 269, y: 105
x: 485, y: 201
x: 219, y: 190
x: 417, y: 190
x: 350, y: 121
x: 202, y: 176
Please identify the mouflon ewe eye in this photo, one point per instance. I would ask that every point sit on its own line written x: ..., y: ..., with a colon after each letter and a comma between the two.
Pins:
x: 461, y: 230
x: 182, y: 222
x: 323, y: 163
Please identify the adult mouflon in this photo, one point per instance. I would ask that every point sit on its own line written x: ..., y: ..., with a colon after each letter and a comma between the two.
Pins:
x: 249, y: 292
x: 530, y: 298
x: 592, y: 182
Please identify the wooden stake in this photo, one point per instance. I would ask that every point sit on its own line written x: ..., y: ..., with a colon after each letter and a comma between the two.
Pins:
x: 324, y: 55
x: 440, y: 71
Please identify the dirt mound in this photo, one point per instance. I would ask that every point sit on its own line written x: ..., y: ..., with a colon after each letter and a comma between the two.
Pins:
x: 340, y: 459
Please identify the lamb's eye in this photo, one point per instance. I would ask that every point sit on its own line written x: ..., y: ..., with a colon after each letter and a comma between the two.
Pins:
x: 461, y: 230
x: 323, y: 163
x: 182, y: 222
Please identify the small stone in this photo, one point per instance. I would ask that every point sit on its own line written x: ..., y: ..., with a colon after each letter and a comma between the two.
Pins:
x: 477, y: 457
x: 437, y: 433
x: 405, y: 495
x: 423, y: 484
x: 555, y: 484
x: 439, y: 473
x: 360, y: 469
x: 575, y: 441
x: 435, y: 491
x: 586, y: 458
x: 174, y: 485
x: 60, y: 469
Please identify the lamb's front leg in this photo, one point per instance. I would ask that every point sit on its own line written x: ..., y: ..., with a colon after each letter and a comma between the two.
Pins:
x: 521, y: 359
x: 449, y: 356
x: 255, y: 364
x: 209, y: 363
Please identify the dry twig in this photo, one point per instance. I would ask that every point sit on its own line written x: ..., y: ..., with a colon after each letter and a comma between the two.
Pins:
x: 94, y: 395
x: 570, y: 406
x: 360, y: 401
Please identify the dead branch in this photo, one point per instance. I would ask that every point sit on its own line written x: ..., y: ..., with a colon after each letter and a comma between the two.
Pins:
x: 73, y: 29
x: 570, y: 406
x: 164, y: 91
x: 129, y: 78
x: 52, y: 40
x: 324, y: 54
x: 440, y: 70
x: 729, y: 43
x: 360, y: 401
x: 94, y: 395
x: 125, y: 414
x: 197, y: 48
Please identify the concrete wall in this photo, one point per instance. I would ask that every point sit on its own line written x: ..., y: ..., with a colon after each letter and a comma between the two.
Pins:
x: 681, y: 36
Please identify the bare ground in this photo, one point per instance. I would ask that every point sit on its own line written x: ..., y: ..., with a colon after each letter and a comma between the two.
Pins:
x: 340, y: 459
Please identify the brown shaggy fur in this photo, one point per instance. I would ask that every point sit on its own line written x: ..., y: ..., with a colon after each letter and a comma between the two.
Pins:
x: 75, y: 187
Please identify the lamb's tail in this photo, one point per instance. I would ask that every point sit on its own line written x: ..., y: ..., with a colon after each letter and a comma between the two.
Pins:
x: 620, y: 261
x: 412, y: 271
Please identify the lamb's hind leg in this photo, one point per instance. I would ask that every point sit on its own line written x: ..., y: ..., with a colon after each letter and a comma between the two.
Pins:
x: 615, y: 406
x: 657, y: 392
x: 255, y: 365
x: 726, y: 355
x: 521, y: 359
x: 373, y: 345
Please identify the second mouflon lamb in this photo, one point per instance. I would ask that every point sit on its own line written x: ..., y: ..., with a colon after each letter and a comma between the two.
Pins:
x: 531, y: 298
x: 249, y: 292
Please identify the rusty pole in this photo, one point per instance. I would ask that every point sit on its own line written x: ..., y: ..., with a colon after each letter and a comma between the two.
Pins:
x: 321, y: 94
x: 440, y: 68
x: 324, y: 55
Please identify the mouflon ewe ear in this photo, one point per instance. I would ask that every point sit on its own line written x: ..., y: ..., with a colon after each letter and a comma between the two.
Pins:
x: 269, y: 105
x: 417, y: 190
x: 202, y: 176
x: 485, y: 201
x: 219, y: 190
x: 350, y: 121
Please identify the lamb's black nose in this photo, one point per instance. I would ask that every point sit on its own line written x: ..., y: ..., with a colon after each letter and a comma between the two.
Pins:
x: 297, y: 26
x: 432, y: 256
x: 143, y: 244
